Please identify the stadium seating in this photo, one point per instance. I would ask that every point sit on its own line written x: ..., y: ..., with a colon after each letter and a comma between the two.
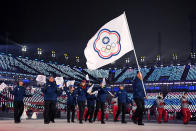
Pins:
x: 98, y: 73
x: 131, y: 73
x: 192, y: 73
x: 173, y: 72
x: 35, y: 67
x: 172, y: 101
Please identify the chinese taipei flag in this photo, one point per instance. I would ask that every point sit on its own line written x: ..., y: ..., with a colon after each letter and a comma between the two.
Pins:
x: 110, y: 43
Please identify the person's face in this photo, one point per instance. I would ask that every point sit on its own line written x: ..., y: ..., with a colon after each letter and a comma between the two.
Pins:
x: 101, y: 85
x: 72, y: 89
x: 51, y: 79
x: 139, y: 75
x: 161, y: 95
x: 20, y: 83
x: 121, y: 87
x: 185, y: 95
x: 83, y: 83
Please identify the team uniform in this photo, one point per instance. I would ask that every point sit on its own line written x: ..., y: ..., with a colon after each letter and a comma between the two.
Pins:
x: 161, y: 110
x: 100, y: 102
x: 50, y: 97
x: 81, y: 100
x: 71, y: 103
x: 19, y: 94
x: 138, y: 96
x: 91, y: 106
x: 122, y: 102
x: 184, y: 109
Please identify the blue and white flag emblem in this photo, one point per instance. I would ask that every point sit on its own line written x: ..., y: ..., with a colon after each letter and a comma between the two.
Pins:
x: 110, y: 43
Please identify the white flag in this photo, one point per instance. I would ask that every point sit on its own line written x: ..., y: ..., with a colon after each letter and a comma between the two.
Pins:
x: 34, y: 115
x: 95, y: 92
x: 33, y: 90
x: 110, y: 43
x: 41, y: 78
x: 90, y: 89
x: 24, y: 114
x: 87, y: 77
x: 70, y: 83
x: 103, y: 82
x: 3, y: 86
x: 59, y: 81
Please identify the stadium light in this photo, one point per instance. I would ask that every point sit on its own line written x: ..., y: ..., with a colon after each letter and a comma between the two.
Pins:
x: 53, y: 54
x: 66, y: 56
x: 24, y: 48
x: 39, y: 51
x: 175, y: 56
x: 193, y: 55
x: 77, y: 59
x: 127, y: 60
x: 158, y: 58
x: 142, y: 58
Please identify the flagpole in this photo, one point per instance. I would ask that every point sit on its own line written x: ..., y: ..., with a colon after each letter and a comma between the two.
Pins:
x: 134, y: 53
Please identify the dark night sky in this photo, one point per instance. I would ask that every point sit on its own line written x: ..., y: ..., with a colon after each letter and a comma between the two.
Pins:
x: 66, y: 26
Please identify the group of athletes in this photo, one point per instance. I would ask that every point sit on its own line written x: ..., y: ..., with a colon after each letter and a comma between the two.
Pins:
x: 80, y: 95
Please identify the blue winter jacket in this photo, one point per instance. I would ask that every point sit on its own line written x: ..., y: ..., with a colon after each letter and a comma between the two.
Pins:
x: 71, y: 97
x: 81, y: 94
x: 91, y: 99
x: 19, y: 93
x: 122, y: 97
x: 102, y: 93
x: 50, y: 91
x: 138, y: 91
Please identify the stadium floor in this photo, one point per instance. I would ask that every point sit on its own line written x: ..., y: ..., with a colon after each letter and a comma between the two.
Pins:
x: 62, y: 125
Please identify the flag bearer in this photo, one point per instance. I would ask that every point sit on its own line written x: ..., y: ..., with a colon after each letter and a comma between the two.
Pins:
x: 138, y: 96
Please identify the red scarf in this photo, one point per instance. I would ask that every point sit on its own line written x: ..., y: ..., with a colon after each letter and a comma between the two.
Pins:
x: 83, y: 87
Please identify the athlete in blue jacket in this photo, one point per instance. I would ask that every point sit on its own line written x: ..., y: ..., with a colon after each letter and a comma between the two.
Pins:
x: 81, y: 99
x: 138, y: 96
x: 50, y: 98
x: 71, y: 102
x: 123, y: 100
x: 100, y: 102
x: 19, y: 93
x: 91, y: 98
